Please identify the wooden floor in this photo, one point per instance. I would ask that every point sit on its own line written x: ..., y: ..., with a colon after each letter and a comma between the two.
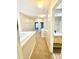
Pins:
x: 41, y: 50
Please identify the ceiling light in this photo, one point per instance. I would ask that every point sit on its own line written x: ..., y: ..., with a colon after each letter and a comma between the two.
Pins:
x: 40, y: 3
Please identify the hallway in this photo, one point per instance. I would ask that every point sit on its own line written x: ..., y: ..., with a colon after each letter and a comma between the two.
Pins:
x: 41, y: 50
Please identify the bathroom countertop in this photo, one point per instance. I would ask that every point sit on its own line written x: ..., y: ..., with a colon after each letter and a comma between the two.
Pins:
x: 57, y: 34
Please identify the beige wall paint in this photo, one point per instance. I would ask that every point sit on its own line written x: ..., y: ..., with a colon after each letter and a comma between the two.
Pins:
x: 26, y: 22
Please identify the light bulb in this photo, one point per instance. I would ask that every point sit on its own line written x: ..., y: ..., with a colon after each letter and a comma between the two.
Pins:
x: 40, y: 3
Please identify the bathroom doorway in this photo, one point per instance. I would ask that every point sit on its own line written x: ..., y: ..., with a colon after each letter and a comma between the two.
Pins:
x: 39, y: 26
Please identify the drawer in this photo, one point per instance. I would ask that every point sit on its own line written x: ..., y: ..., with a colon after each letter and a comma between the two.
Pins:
x: 58, y: 39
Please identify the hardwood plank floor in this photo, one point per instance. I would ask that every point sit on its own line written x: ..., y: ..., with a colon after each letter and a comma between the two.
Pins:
x: 41, y: 50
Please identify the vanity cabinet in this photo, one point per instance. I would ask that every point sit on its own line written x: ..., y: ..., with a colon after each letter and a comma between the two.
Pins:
x: 57, y: 44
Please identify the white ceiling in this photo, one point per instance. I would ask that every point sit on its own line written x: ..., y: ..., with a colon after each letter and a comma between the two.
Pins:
x: 29, y: 7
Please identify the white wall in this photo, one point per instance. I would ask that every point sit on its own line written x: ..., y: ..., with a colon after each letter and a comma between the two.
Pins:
x: 51, y: 22
x: 26, y: 23
x: 58, y: 24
